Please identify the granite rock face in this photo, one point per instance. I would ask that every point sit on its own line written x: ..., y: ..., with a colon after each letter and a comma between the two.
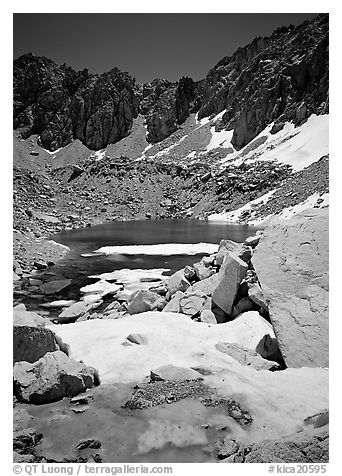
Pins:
x: 276, y: 79
x: 61, y: 104
x: 292, y: 260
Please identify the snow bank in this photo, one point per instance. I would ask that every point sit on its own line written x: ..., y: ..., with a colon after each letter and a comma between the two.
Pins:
x: 164, y: 249
x: 172, y: 339
x: 99, y: 154
x: 52, y: 152
x: 234, y: 215
x: 310, y: 202
x: 296, y: 146
x: 219, y: 139
x: 290, y: 395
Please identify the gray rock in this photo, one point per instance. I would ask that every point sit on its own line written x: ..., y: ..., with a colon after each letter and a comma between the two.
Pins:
x: 226, y: 246
x: 202, y: 270
x: 206, y: 286
x: 245, y: 356
x: 189, y: 272
x: 244, y: 305
x: 174, y: 374
x: 256, y: 295
x: 51, y: 378
x: 268, y: 348
x: 177, y: 282
x: 31, y: 340
x: 230, y: 276
x: 291, y: 280
x: 173, y: 304
x: 72, y: 313
x: 53, y: 287
x: 137, y: 339
x: 208, y: 317
x: 142, y: 301
x: 192, y: 303
x: 226, y: 447
x: 252, y: 241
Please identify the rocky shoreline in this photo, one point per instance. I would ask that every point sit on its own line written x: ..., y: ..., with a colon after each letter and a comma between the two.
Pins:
x: 232, y: 287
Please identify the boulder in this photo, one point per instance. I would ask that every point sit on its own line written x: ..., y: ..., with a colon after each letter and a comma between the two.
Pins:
x: 208, y: 317
x: 193, y: 303
x: 252, y: 241
x: 174, y: 374
x: 177, y: 282
x: 173, y: 304
x: 51, y: 378
x: 31, y: 340
x: 230, y: 276
x: 206, y: 286
x: 246, y: 356
x: 72, y: 313
x: 189, y: 272
x: 137, y: 339
x: 226, y: 447
x: 256, y: 295
x: 202, y: 270
x: 224, y: 246
x: 244, y: 305
x: 142, y: 301
x: 294, y: 281
x: 268, y: 348
x: 55, y: 286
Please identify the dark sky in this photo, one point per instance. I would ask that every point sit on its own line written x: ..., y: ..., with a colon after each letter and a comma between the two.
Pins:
x: 146, y: 45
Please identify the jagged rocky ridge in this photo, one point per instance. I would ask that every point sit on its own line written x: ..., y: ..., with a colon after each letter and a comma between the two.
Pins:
x: 280, y: 78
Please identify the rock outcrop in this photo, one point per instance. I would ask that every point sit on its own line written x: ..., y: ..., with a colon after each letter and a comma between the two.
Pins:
x: 278, y: 78
x: 52, y: 378
x: 61, y: 104
x: 291, y: 262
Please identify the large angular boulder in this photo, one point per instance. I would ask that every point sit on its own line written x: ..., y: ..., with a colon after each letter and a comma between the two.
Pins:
x: 294, y: 280
x: 230, y: 276
x: 52, y: 378
x: 31, y: 339
x: 142, y: 301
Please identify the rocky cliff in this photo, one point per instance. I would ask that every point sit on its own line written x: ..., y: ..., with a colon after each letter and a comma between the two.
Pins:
x: 280, y: 78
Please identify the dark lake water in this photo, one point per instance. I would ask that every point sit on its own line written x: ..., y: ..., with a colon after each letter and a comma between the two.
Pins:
x: 144, y: 232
